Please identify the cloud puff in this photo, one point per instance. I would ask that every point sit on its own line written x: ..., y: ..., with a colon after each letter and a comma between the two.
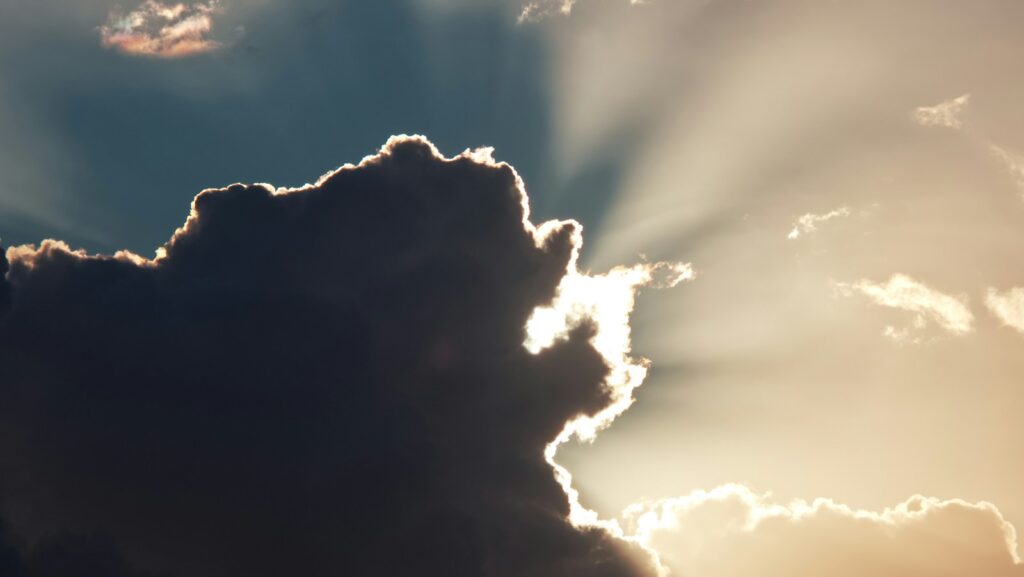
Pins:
x: 1007, y: 306
x: 330, y: 380
x: 733, y: 532
x: 809, y: 222
x: 947, y: 114
x: 162, y: 30
x: 904, y: 293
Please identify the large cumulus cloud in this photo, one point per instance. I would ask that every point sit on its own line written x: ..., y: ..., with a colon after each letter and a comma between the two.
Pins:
x: 322, y: 381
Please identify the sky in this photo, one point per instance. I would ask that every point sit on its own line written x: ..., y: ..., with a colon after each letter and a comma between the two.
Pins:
x: 714, y: 288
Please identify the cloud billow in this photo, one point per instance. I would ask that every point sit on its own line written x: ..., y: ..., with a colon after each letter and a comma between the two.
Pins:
x: 321, y: 381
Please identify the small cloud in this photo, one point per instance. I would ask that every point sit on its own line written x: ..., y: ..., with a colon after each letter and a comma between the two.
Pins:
x: 160, y: 30
x: 809, y: 222
x: 946, y: 114
x: 904, y: 293
x: 540, y: 9
x: 537, y: 10
x: 1008, y: 306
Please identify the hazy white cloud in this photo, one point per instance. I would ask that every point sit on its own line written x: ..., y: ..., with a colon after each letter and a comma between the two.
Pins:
x: 809, y: 222
x: 1007, y: 306
x: 947, y: 114
x: 733, y: 532
x: 162, y: 30
x: 903, y: 292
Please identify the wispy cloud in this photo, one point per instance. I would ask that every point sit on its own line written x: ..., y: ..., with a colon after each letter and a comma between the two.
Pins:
x: 160, y: 30
x: 947, y: 114
x: 1007, y: 306
x: 536, y: 10
x: 1014, y: 164
x: 809, y: 222
x: 904, y: 293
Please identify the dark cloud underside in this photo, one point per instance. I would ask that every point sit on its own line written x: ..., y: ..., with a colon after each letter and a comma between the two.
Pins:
x: 328, y: 381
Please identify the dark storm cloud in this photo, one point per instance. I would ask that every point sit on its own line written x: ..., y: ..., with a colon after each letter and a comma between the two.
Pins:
x: 322, y: 381
x: 63, y: 555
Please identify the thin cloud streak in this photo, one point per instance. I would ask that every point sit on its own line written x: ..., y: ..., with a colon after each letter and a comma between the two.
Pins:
x: 1014, y: 164
x: 946, y: 114
x: 809, y: 222
x: 904, y: 293
x: 950, y: 113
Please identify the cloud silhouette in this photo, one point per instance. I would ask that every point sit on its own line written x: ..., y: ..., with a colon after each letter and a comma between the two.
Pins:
x: 328, y: 380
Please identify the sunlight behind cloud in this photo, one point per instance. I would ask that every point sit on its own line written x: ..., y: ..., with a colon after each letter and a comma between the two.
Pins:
x: 606, y: 301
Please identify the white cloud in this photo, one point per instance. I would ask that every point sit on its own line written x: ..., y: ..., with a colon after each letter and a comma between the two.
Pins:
x: 733, y: 532
x: 948, y: 114
x: 162, y: 30
x: 809, y: 222
x: 904, y: 293
x: 1008, y: 306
